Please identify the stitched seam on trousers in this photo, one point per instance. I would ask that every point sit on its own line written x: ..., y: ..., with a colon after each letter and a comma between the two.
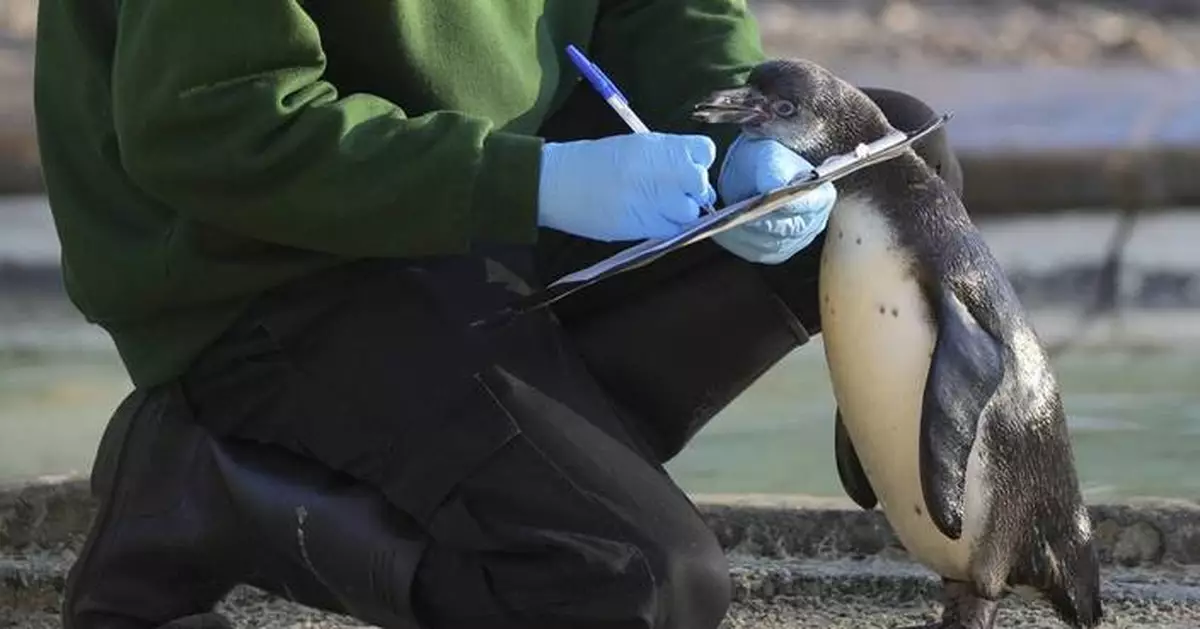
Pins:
x: 587, y: 495
x: 541, y: 454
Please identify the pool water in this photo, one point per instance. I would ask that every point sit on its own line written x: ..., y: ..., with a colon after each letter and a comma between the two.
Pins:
x: 1134, y: 418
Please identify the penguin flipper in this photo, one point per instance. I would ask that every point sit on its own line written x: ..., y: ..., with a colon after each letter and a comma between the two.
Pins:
x: 965, y: 370
x: 850, y: 470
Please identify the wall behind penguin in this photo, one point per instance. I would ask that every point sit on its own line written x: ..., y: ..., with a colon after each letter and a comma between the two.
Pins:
x: 1049, y: 97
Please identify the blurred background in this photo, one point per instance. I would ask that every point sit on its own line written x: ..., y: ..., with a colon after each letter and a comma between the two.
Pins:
x: 1078, y: 124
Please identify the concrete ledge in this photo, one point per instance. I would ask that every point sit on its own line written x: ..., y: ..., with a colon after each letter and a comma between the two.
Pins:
x: 54, y: 515
x: 46, y: 515
x: 1145, y: 533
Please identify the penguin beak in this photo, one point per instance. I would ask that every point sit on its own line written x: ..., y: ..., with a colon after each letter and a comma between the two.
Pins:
x: 743, y: 105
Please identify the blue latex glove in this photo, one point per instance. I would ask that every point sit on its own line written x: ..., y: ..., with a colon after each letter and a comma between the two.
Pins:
x: 755, y: 165
x: 625, y: 187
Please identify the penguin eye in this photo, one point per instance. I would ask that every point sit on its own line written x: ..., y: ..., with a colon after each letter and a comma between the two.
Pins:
x: 783, y: 108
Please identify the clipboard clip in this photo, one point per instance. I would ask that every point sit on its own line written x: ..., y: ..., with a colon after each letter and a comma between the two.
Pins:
x: 835, y: 167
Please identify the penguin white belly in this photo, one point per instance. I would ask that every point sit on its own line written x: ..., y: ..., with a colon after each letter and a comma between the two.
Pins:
x: 878, y: 340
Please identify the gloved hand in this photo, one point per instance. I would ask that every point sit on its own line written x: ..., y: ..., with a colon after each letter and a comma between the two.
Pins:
x: 755, y: 165
x: 625, y: 187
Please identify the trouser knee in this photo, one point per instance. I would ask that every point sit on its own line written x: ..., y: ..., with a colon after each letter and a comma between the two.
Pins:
x: 670, y: 577
x: 693, y: 583
x: 680, y: 583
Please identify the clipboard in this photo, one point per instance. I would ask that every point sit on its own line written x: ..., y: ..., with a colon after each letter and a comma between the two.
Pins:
x: 835, y: 167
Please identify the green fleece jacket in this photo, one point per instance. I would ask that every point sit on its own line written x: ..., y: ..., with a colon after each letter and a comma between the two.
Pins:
x: 197, y: 153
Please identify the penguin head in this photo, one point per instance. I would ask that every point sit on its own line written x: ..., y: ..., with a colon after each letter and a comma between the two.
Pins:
x: 799, y: 104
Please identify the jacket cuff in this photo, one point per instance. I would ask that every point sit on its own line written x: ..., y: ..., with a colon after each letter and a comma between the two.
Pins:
x: 505, y: 202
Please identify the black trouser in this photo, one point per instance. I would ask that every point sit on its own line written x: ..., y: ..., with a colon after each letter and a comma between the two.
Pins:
x: 530, y: 455
x: 544, y: 503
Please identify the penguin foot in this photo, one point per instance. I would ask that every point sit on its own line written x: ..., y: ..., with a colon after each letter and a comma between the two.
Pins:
x: 964, y: 608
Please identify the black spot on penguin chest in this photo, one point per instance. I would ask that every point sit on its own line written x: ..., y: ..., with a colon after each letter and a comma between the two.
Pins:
x: 922, y: 212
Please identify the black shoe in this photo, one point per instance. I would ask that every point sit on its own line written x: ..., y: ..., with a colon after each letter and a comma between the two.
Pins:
x: 184, y: 518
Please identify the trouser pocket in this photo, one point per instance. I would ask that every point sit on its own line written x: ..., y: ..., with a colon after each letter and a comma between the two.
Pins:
x: 364, y: 376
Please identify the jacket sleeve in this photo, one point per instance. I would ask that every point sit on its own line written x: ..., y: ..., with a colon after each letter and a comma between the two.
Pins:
x: 221, y: 113
x: 666, y: 55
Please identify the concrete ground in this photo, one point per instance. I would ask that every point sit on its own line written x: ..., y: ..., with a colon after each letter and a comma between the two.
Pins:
x: 770, y: 593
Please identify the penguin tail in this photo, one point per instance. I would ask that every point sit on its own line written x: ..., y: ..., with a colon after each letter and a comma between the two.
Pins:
x: 1073, y: 588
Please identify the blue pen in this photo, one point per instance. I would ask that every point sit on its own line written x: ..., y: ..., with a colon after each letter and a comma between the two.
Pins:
x: 611, y: 95
x: 608, y: 91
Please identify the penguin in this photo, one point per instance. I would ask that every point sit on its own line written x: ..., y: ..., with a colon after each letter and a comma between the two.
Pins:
x: 949, y: 415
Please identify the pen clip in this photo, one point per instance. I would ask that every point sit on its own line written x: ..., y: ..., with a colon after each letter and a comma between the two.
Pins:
x: 595, y: 75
